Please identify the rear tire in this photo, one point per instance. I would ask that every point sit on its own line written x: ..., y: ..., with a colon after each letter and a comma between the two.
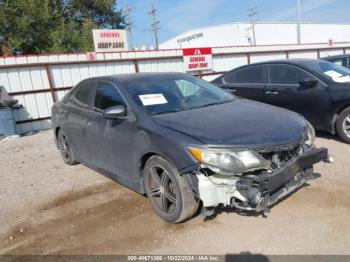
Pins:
x: 65, y: 149
x: 168, y: 192
x: 343, y: 125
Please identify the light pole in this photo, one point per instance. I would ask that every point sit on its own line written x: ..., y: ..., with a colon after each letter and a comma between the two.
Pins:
x: 298, y: 21
x: 128, y: 28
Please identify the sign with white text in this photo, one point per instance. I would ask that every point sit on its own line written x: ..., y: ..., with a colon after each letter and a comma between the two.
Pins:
x: 197, y: 59
x: 110, y: 40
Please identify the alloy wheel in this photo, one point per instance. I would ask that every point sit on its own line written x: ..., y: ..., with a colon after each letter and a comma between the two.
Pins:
x: 346, y: 126
x: 162, y: 190
x: 63, y: 146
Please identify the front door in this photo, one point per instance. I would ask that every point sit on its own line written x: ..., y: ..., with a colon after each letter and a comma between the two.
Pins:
x: 111, y: 139
x: 284, y: 90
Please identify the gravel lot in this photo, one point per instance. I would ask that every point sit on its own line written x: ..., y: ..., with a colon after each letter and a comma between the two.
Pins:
x: 47, y: 207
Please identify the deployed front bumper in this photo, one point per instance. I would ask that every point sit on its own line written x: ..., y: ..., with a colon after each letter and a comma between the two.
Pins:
x: 257, y: 192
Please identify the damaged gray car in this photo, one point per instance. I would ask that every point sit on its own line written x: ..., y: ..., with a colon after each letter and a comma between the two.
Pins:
x: 185, y: 143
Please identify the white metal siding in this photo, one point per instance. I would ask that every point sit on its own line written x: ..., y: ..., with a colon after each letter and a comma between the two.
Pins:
x: 66, y: 70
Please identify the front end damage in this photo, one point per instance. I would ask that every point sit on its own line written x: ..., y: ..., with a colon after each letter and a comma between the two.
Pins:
x: 289, y: 168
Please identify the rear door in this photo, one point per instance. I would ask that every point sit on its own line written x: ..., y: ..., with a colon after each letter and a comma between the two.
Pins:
x: 284, y: 90
x: 248, y: 82
x: 77, y: 118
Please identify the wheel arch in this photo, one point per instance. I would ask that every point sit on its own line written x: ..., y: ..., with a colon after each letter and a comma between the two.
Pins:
x: 342, y: 108
x: 56, y: 130
x: 144, y: 160
x: 188, y: 175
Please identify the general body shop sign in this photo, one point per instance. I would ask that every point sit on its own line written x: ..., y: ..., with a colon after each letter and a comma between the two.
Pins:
x: 110, y: 40
x: 197, y: 59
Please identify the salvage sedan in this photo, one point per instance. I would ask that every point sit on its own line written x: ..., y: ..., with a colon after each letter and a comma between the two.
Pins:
x: 184, y: 142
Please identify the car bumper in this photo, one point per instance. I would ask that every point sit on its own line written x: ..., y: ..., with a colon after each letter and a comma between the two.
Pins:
x: 259, y: 192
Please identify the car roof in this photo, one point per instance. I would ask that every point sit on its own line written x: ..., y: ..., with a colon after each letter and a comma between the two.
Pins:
x: 301, y: 62
x: 335, y: 56
x: 121, y: 78
x: 295, y: 61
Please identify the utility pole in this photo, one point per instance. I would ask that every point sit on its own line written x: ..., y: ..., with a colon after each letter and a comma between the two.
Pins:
x: 298, y: 21
x: 154, y: 25
x: 127, y: 11
x: 252, y: 13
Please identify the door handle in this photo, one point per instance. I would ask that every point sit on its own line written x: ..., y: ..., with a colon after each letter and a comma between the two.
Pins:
x: 231, y: 89
x: 271, y: 93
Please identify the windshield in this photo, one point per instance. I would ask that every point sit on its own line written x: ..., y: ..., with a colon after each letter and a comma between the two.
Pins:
x: 173, y: 93
x: 333, y: 71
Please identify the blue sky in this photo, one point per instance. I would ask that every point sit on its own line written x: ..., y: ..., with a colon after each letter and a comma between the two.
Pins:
x: 177, y: 16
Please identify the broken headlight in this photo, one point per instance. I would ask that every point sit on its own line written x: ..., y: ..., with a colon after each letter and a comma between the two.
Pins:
x: 310, y: 134
x: 228, y: 161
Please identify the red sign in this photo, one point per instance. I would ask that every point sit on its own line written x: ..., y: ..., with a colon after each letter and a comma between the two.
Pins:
x: 197, y: 59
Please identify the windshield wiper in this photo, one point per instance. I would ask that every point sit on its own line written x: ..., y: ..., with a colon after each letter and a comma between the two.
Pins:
x: 215, y: 103
x: 166, y: 112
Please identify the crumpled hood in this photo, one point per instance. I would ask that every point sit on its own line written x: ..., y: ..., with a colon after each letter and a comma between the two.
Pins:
x: 238, y: 123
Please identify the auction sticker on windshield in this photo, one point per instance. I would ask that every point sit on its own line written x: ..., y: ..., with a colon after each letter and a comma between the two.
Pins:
x: 337, y: 77
x: 153, y: 99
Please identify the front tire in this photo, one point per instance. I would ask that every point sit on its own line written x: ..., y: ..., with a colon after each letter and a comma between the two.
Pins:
x: 168, y: 192
x: 65, y: 149
x: 343, y: 125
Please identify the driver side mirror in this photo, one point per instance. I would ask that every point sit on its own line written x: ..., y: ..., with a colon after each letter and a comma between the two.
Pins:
x: 114, y: 112
x: 308, y: 82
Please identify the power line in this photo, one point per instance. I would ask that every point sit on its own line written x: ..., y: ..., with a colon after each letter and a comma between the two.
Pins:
x: 252, y: 13
x: 155, y: 25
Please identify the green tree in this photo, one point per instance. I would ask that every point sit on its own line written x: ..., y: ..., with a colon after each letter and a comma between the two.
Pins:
x: 54, y: 26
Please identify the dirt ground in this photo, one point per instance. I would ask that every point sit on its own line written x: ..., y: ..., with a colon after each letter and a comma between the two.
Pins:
x: 47, y: 207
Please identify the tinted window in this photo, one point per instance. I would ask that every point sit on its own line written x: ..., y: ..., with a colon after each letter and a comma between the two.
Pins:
x: 286, y: 74
x: 107, y: 96
x: 81, y: 94
x: 250, y: 74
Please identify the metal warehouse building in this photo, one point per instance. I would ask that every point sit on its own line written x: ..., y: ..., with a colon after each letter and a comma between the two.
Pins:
x: 238, y: 34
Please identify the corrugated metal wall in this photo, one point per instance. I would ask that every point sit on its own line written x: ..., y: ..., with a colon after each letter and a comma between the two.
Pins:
x: 38, y: 81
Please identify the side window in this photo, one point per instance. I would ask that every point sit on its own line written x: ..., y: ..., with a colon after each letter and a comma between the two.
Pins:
x: 248, y: 75
x: 286, y: 74
x: 187, y: 88
x: 107, y: 96
x: 81, y: 94
x: 338, y: 61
